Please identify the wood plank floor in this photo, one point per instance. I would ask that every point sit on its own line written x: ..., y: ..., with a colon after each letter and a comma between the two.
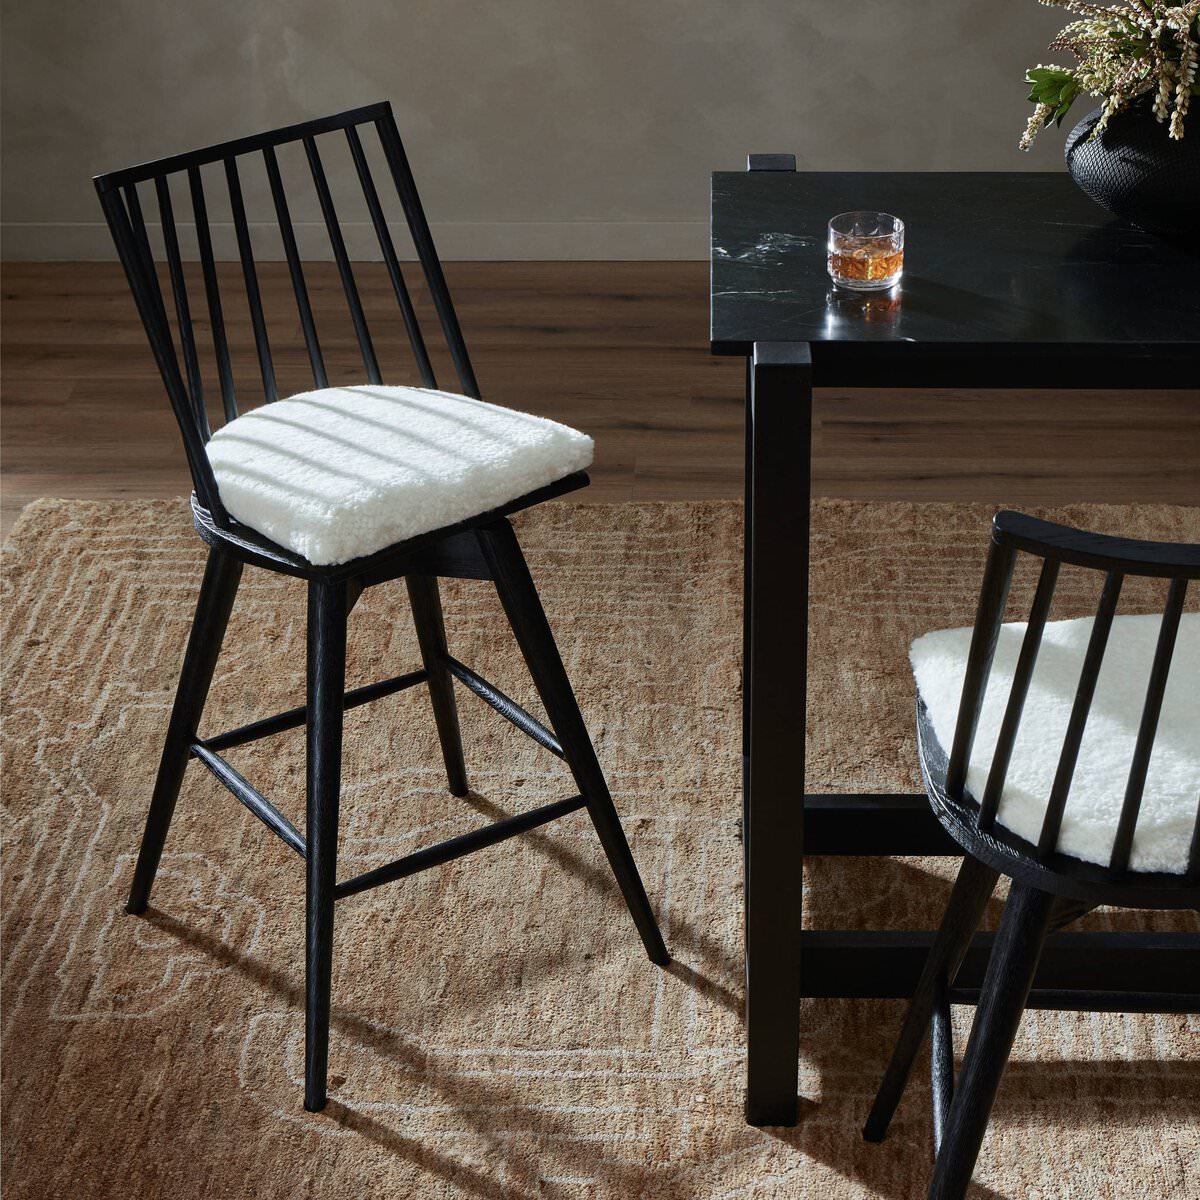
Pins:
x: 617, y: 349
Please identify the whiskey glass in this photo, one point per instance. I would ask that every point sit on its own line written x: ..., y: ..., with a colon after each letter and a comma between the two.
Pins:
x: 866, y: 250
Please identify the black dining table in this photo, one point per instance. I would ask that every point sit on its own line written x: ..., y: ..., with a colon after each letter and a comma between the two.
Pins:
x: 1011, y: 280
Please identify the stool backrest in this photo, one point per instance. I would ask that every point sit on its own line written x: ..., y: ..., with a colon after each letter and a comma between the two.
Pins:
x: 1116, y: 558
x: 175, y: 351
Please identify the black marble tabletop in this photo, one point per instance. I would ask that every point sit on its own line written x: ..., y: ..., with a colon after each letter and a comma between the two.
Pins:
x: 998, y: 267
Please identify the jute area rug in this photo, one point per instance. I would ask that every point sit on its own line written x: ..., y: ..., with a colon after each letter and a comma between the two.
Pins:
x: 497, y: 1031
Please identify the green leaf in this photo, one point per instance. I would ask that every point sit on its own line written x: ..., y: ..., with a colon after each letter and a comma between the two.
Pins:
x: 1054, y: 88
x: 1037, y: 73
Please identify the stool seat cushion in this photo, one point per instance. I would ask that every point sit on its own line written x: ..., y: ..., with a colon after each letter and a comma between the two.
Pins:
x: 1168, y: 811
x: 341, y: 472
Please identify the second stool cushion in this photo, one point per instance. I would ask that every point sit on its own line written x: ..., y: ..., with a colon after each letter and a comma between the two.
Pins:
x: 1168, y: 812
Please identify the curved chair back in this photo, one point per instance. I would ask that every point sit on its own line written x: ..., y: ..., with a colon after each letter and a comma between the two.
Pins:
x: 1117, y: 558
x: 175, y: 349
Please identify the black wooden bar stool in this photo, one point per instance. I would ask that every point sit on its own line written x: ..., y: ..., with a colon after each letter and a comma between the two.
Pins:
x: 1093, y: 798
x: 346, y: 488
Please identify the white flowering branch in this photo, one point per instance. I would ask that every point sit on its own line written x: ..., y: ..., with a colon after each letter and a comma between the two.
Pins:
x: 1123, y: 51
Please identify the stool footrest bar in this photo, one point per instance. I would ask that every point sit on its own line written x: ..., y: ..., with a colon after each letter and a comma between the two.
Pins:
x: 506, y: 707
x: 294, y: 717
x: 252, y: 798
x: 443, y: 852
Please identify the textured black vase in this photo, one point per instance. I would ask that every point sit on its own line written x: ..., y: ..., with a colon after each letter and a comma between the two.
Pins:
x: 1137, y: 172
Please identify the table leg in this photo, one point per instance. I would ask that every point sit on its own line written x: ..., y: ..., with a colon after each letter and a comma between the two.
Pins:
x: 778, y: 471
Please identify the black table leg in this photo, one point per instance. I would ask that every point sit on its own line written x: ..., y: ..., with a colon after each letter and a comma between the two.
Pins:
x: 778, y: 470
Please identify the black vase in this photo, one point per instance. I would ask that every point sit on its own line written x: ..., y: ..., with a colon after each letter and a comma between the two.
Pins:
x: 1137, y: 172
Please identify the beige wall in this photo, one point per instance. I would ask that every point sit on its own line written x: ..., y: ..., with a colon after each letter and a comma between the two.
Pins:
x: 537, y: 128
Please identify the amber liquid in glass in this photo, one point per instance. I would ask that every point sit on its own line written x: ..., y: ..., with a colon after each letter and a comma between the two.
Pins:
x: 865, y: 262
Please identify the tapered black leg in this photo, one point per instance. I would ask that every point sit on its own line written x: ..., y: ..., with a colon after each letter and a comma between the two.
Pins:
x: 968, y: 899
x: 431, y: 634
x: 523, y: 607
x: 326, y: 685
x: 1002, y: 999
x: 221, y: 576
x: 941, y: 1059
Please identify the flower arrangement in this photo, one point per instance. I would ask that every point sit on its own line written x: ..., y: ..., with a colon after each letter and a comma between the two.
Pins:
x: 1123, y: 51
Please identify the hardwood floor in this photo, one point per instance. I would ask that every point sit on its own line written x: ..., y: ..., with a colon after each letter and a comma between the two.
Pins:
x: 617, y: 349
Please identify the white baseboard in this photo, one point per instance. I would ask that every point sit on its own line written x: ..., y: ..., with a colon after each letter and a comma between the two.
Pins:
x: 470, y: 241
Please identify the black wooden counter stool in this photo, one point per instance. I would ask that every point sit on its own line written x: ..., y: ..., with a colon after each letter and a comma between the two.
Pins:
x: 345, y: 488
x: 1093, y: 798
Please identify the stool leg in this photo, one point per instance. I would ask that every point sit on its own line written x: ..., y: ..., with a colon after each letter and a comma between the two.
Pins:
x: 521, y: 603
x: 1001, y: 1002
x: 941, y: 1059
x: 326, y: 686
x: 222, y: 574
x: 968, y: 899
x: 431, y: 634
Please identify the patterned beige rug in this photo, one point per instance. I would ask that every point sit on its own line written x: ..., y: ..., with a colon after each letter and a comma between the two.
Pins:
x: 497, y: 1029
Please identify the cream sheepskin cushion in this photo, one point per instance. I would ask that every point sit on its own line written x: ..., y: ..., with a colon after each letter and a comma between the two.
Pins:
x: 342, y: 472
x: 1169, y: 802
